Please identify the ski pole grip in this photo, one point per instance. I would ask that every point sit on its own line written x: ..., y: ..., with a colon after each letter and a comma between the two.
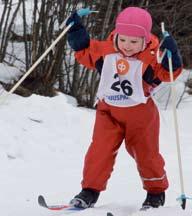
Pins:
x: 85, y: 11
x: 81, y: 12
x: 165, y: 33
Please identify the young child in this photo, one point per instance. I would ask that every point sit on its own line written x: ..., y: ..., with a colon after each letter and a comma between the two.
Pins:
x: 125, y: 109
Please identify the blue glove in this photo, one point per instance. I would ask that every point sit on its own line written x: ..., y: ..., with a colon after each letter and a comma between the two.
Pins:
x: 77, y: 36
x: 76, y: 20
x: 170, y: 44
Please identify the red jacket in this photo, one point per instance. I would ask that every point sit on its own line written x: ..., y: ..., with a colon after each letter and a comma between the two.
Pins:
x: 98, y: 49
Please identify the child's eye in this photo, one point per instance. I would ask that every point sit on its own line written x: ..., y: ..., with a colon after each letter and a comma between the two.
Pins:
x: 134, y: 42
x: 122, y: 40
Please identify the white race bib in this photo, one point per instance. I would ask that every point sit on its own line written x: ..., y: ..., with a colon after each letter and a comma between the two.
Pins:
x: 121, y: 81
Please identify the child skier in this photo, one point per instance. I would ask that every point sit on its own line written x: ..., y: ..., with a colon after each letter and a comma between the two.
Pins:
x: 125, y: 109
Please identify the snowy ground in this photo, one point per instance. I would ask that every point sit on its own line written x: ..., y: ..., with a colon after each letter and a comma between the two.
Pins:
x: 43, y: 142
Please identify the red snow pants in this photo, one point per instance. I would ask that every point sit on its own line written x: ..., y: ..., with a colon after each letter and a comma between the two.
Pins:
x: 139, y: 127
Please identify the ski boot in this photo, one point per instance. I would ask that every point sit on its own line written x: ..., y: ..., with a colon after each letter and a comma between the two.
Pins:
x: 154, y: 200
x: 85, y: 199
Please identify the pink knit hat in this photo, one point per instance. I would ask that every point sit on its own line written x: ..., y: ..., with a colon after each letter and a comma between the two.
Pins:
x: 134, y: 21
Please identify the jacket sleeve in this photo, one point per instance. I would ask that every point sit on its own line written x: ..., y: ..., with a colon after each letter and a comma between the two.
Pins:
x: 164, y: 75
x: 96, y: 51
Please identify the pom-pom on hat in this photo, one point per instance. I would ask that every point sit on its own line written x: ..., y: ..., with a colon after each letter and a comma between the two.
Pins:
x: 134, y: 21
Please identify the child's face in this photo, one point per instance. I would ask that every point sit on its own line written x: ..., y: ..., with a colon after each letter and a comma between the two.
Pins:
x: 130, y: 45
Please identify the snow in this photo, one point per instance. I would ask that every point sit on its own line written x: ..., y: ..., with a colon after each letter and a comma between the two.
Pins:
x: 8, y: 73
x: 43, y: 143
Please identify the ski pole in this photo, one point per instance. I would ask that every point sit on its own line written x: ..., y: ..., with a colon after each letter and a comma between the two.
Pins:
x: 81, y: 12
x: 182, y: 198
x: 36, y: 63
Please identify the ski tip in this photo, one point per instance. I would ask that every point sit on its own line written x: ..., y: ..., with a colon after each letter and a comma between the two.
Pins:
x: 41, y: 201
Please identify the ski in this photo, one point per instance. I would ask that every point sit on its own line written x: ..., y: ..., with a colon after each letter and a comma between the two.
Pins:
x: 42, y: 202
